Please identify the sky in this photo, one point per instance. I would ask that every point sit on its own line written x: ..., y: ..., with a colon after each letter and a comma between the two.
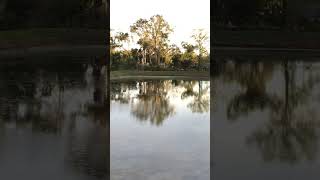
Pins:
x: 182, y: 15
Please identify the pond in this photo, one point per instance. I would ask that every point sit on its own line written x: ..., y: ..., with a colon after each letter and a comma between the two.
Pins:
x: 160, y: 129
x: 53, y: 119
x: 265, y: 117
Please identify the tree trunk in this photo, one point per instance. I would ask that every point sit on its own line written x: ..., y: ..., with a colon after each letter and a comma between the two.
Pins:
x: 144, y: 56
x: 199, y: 62
x: 158, y: 57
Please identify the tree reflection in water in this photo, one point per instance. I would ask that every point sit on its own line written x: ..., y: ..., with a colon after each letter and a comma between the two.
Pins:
x: 153, y: 103
x: 201, y: 100
x: 290, y: 134
x: 42, y: 99
x: 88, y: 149
x: 253, y: 78
x: 120, y: 92
x: 151, y: 100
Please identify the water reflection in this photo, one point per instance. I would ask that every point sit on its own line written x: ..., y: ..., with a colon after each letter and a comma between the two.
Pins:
x: 290, y: 134
x: 160, y: 129
x: 278, y: 101
x: 59, y: 107
x: 151, y: 100
x: 200, y: 102
x: 252, y: 77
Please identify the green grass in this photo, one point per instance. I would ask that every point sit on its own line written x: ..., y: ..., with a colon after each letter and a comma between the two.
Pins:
x: 127, y: 74
x: 51, y: 37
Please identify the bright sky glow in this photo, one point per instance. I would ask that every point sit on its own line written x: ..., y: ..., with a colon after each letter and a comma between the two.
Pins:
x: 182, y: 15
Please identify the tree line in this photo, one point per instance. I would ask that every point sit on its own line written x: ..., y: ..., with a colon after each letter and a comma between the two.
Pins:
x: 155, y: 51
x: 266, y: 14
x: 52, y: 13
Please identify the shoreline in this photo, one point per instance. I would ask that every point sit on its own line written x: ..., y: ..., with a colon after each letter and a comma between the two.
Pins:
x: 163, y: 75
x: 75, y: 50
x: 265, y: 51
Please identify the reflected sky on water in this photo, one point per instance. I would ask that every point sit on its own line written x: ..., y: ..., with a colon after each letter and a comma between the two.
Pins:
x: 160, y: 129
x: 265, y: 118
x: 53, y: 123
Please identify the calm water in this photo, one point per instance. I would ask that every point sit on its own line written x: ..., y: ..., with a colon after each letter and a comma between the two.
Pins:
x: 266, y: 118
x: 160, y: 129
x: 53, y: 122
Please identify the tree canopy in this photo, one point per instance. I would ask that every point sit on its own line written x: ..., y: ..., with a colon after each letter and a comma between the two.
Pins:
x: 155, y: 49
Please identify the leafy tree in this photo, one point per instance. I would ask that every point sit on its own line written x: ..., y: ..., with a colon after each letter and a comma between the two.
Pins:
x: 121, y: 38
x: 153, y: 34
x: 188, y: 57
x: 200, y: 37
x: 116, y: 41
x: 175, y: 55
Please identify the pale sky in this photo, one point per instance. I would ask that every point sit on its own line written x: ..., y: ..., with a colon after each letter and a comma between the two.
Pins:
x: 182, y: 15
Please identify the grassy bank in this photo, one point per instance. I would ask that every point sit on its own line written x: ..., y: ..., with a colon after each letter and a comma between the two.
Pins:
x: 267, y: 39
x: 50, y: 37
x: 136, y: 75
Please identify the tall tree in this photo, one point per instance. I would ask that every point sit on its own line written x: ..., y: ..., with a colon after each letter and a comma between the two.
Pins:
x: 189, y: 56
x: 200, y: 37
x: 154, y: 32
x: 121, y: 38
